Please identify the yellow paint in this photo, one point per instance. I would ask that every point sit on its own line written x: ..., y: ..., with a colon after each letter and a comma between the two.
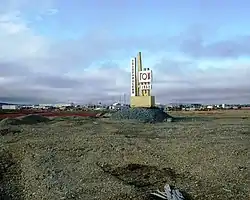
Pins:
x: 143, y: 101
x: 139, y: 61
x: 139, y: 68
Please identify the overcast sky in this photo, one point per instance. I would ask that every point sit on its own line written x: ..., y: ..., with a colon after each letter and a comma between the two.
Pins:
x: 61, y: 51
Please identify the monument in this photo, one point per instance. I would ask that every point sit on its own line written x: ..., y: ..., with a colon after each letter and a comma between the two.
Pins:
x: 142, y: 103
x: 141, y: 84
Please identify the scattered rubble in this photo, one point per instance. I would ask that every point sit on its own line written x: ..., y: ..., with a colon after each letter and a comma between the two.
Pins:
x: 169, y: 193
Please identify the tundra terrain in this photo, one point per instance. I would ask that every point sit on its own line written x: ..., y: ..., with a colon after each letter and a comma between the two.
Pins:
x: 205, y: 155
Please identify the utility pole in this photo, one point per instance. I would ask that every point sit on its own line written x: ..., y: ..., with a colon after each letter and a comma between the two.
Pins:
x: 124, y: 98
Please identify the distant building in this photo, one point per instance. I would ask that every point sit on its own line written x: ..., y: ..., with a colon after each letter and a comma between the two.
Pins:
x: 118, y: 106
x: 210, y: 107
x: 44, y: 106
x: 195, y: 105
x: 9, y: 107
x: 64, y: 105
x: 48, y: 106
x: 236, y: 107
x: 115, y: 106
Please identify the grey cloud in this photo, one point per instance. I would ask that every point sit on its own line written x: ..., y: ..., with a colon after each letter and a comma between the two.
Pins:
x: 12, y: 69
x: 23, y: 100
x: 196, y: 46
x: 172, y: 67
x: 20, y: 94
x: 100, y: 45
x: 53, y: 81
x: 205, y: 95
x: 173, y: 83
x: 28, y: 77
x: 34, y: 87
x: 183, y: 81
x: 174, y: 73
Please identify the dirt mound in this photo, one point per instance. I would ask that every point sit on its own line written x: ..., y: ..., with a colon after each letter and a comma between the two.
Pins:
x: 9, y: 121
x: 33, y: 119
x: 8, y: 126
x: 28, y: 119
x: 8, y: 131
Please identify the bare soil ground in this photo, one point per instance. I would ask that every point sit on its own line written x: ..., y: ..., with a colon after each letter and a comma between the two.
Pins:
x: 205, y: 155
x: 13, y: 114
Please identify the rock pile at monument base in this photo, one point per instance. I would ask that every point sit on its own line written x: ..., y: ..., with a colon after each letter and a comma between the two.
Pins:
x: 146, y: 115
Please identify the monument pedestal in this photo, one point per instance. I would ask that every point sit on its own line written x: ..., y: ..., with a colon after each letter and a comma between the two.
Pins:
x: 142, y: 101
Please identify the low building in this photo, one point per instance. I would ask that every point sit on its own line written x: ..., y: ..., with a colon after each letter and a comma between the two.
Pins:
x: 210, y: 107
x: 118, y: 106
x: 10, y: 107
x: 64, y: 105
x: 224, y: 106
x: 44, y: 106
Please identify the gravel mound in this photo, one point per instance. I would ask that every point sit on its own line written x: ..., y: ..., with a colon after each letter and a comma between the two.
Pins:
x: 146, y: 115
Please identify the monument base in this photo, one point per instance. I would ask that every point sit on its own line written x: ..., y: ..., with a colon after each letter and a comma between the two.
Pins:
x: 142, y: 101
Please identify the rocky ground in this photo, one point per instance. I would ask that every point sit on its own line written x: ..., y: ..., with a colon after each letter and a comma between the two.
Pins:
x: 205, y: 156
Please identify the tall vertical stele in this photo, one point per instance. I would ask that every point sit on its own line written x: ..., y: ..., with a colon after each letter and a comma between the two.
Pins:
x: 141, y: 84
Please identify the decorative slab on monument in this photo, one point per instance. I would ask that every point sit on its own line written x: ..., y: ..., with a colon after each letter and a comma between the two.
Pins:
x: 142, y: 101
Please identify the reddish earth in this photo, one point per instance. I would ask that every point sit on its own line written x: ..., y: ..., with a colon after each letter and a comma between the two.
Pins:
x: 48, y: 114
